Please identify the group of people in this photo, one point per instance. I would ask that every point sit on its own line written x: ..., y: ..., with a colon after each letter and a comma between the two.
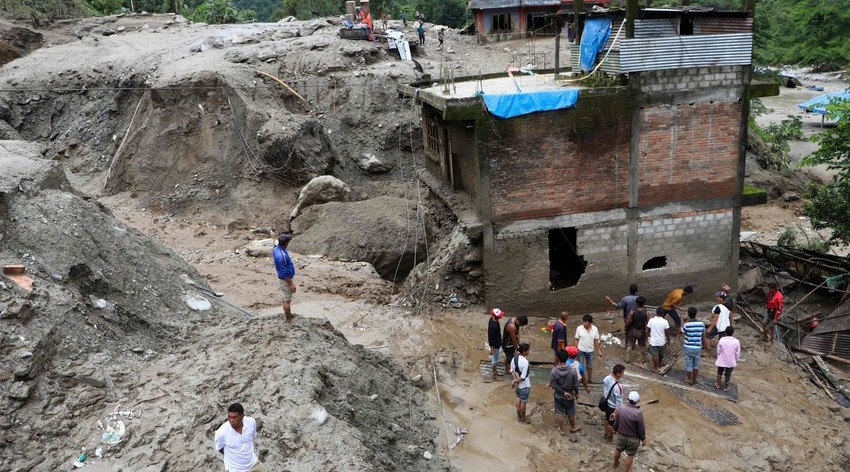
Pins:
x: 574, y: 359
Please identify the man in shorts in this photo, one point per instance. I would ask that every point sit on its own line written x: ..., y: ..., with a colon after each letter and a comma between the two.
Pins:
x: 587, y: 342
x: 635, y: 325
x: 775, y: 305
x: 631, y: 430
x: 521, y: 382
x: 565, y: 383
x: 671, y: 304
x: 285, y: 272
x: 656, y: 329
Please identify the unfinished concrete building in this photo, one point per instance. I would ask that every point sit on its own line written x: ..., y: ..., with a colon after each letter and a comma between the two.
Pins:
x: 640, y: 181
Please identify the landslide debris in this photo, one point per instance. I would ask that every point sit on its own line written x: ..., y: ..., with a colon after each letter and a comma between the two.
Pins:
x: 107, y: 327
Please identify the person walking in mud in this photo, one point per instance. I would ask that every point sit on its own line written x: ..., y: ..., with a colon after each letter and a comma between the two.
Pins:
x: 627, y: 303
x: 510, y: 338
x: 521, y: 383
x: 613, y: 393
x: 657, y: 331
x: 494, y: 339
x: 235, y: 440
x: 421, y: 31
x: 587, y: 342
x: 564, y: 381
x: 631, y: 431
x: 775, y: 305
x: 635, y: 326
x: 671, y: 305
x: 728, y: 353
x: 285, y: 272
x: 694, y: 330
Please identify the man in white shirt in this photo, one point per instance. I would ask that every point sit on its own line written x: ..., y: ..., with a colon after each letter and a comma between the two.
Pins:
x: 521, y: 382
x: 657, y: 328
x: 587, y: 340
x: 235, y: 439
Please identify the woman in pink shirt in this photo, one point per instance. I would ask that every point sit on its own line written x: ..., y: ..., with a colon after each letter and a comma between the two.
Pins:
x: 728, y: 352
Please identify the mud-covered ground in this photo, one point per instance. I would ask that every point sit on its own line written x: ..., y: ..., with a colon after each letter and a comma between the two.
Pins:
x: 168, y: 126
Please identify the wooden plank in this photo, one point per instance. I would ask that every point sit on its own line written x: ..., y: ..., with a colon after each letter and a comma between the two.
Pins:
x: 831, y: 377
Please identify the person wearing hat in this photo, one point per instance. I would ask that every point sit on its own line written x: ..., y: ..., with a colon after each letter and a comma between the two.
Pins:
x: 494, y: 339
x: 572, y: 354
x: 721, y: 319
x: 285, y: 272
x: 631, y: 430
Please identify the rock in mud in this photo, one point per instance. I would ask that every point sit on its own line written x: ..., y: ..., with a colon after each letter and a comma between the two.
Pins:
x: 311, y: 27
x: 260, y: 248
x: 322, y: 189
x: 371, y: 164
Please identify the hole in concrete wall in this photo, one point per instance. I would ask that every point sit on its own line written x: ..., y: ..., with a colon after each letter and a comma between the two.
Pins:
x: 565, y: 265
x: 655, y: 263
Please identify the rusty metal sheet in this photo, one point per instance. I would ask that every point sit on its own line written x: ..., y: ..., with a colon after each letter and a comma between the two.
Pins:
x: 720, y: 25
x: 679, y: 52
x: 656, y: 28
x: 837, y: 344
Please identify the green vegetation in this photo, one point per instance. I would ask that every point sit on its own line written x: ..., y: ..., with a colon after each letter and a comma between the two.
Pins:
x: 788, y: 238
x: 828, y: 205
x: 770, y: 144
x: 806, y: 32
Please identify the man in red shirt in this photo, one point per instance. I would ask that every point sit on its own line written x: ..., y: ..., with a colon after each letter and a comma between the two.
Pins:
x: 774, y: 312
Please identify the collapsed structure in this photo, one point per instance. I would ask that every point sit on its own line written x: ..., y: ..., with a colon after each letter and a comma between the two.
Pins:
x: 640, y: 181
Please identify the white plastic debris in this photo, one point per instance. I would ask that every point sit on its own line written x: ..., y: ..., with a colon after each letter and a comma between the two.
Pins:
x: 609, y: 339
x: 99, y: 303
x: 198, y: 303
x: 320, y: 415
x: 427, y: 455
x: 98, y: 452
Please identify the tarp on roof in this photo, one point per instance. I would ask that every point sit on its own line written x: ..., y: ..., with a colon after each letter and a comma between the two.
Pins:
x: 818, y: 104
x: 510, y: 105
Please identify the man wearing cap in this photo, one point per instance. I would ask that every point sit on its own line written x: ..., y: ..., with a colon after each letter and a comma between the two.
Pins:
x: 522, y: 384
x: 631, y: 430
x: 572, y: 353
x: 510, y: 338
x: 494, y: 339
x: 559, y: 334
x: 721, y: 319
x: 285, y: 272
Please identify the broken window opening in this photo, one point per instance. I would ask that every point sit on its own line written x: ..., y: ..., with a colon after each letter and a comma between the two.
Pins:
x: 502, y: 23
x: 655, y: 263
x: 565, y: 265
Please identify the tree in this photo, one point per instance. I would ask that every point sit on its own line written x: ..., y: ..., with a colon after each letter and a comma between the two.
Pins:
x: 828, y: 205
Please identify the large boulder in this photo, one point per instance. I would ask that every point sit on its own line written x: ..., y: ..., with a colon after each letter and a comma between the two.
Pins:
x: 295, y: 147
x: 311, y: 27
x: 387, y: 232
x: 322, y: 189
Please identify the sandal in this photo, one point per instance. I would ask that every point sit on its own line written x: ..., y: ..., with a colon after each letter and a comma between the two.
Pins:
x: 726, y: 388
x: 573, y: 431
x: 716, y: 385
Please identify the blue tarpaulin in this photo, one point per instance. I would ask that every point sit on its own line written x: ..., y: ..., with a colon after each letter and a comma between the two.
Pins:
x: 593, y: 39
x: 819, y: 103
x: 509, y: 105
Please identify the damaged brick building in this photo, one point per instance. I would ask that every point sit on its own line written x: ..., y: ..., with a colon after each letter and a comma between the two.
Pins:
x: 637, y: 182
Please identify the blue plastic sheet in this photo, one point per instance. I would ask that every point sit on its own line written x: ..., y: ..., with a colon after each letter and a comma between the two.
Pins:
x: 819, y: 103
x: 593, y: 39
x: 510, y: 105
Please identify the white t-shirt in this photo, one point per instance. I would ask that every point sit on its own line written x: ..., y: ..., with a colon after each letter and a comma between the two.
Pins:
x: 522, y: 362
x: 722, y: 317
x: 586, y: 339
x: 657, y: 326
x: 238, y: 448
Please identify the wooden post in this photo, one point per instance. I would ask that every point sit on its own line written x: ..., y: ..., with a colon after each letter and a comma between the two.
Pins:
x: 632, y: 10
x: 557, y: 47
x: 578, y: 11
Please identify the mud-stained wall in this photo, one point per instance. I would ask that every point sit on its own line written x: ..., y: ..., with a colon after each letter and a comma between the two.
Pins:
x: 464, y: 158
x: 688, y: 151
x: 696, y: 246
x: 558, y: 163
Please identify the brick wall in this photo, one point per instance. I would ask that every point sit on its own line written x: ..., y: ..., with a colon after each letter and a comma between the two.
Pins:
x: 688, y: 152
x: 560, y: 162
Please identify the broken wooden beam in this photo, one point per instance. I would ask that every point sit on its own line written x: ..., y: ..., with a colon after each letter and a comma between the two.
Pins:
x: 831, y: 377
x: 817, y: 380
x: 822, y: 354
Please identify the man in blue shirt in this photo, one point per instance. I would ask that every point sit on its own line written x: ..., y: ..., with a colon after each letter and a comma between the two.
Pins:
x: 285, y: 272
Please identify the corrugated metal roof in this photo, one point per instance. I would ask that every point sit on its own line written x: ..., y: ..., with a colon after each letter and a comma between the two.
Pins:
x: 837, y: 344
x: 656, y: 28
x: 541, y: 3
x: 838, y: 320
x: 677, y: 52
x: 611, y: 65
x: 716, y: 25
x: 488, y: 4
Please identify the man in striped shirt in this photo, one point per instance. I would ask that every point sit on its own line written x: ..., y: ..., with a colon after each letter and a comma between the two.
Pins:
x: 694, y: 336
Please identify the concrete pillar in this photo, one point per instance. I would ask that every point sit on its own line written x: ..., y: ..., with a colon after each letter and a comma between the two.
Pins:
x: 364, y: 6
x: 349, y: 7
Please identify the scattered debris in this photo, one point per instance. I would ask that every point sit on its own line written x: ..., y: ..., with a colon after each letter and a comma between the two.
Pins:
x: 460, y: 433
